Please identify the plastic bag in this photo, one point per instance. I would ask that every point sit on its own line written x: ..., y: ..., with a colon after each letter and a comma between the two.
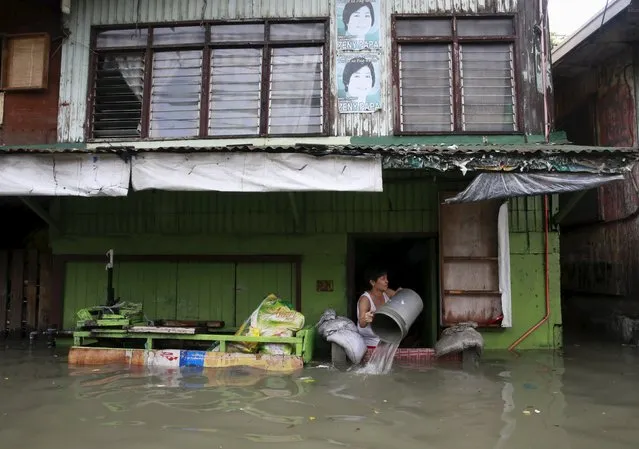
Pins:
x: 274, y: 317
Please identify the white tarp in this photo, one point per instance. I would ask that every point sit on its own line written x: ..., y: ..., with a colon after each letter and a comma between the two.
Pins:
x: 63, y: 175
x: 504, y: 265
x: 255, y: 172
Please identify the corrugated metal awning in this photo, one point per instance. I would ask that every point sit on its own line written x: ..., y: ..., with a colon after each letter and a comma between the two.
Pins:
x: 438, y: 158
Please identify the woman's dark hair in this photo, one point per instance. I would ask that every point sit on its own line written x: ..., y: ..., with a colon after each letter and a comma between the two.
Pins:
x: 356, y: 5
x: 373, y: 274
x: 353, y: 66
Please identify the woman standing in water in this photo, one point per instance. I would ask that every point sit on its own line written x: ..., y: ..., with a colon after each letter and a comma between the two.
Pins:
x: 376, y: 296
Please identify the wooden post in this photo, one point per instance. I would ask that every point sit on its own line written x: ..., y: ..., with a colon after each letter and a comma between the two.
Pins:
x: 31, y: 289
x: 17, y: 291
x: 46, y: 288
x: 4, y: 294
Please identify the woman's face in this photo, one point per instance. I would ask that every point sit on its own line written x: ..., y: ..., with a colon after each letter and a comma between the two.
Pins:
x: 360, y: 22
x: 381, y: 283
x: 361, y: 83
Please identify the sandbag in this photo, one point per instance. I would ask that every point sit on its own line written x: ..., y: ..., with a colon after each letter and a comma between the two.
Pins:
x: 352, y: 342
x: 458, y: 338
x: 343, y: 332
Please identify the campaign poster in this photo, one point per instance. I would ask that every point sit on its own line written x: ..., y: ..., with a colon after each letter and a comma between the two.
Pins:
x: 358, y: 24
x: 358, y: 82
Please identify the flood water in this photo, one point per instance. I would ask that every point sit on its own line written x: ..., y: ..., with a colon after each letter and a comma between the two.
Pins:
x: 586, y: 399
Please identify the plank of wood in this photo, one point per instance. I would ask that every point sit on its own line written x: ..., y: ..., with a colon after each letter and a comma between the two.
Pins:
x: 17, y: 291
x: 31, y: 289
x: 44, y: 303
x: 4, y: 294
x: 162, y: 330
x: 191, y: 323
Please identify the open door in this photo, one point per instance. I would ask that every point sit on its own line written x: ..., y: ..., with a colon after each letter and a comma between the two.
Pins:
x: 469, y: 261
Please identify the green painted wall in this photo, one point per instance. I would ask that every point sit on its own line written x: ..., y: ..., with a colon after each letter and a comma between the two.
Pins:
x: 214, y: 223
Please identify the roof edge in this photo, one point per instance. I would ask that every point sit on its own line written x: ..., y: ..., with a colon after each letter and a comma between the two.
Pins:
x: 588, y: 29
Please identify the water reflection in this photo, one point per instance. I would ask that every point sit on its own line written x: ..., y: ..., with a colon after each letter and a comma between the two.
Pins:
x: 584, y: 400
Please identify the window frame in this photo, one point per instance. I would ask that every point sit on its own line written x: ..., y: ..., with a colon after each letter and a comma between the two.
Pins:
x: 266, y: 45
x: 5, y: 63
x: 455, y: 41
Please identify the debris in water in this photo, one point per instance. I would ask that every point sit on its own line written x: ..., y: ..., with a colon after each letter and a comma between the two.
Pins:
x: 190, y: 429
x: 307, y: 380
x: 115, y: 406
x: 530, y: 410
x: 338, y: 443
x: 346, y: 418
x: 274, y: 438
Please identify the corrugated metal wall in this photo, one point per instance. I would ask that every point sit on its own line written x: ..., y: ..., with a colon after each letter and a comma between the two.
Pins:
x: 85, y: 13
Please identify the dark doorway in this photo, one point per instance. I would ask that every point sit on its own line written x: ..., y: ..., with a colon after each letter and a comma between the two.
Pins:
x: 411, y: 262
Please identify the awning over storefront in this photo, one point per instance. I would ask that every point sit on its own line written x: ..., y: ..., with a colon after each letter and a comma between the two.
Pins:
x: 64, y: 175
x: 108, y: 170
x: 493, y: 186
x: 255, y: 172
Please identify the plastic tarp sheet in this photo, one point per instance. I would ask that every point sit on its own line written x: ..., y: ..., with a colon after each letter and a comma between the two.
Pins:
x: 503, y: 243
x: 255, y: 172
x: 63, y: 175
x: 491, y: 186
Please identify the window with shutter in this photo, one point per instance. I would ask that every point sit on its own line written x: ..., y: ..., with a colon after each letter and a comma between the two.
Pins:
x: 25, y: 61
x: 455, y: 75
x: 213, y: 80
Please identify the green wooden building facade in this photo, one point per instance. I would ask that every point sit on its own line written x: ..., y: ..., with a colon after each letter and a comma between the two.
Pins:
x: 216, y: 255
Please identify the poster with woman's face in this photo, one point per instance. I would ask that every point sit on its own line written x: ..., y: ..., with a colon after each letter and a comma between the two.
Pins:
x: 358, y: 83
x: 358, y: 25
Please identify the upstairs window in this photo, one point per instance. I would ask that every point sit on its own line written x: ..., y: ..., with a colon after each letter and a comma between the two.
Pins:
x: 455, y: 75
x: 218, y: 80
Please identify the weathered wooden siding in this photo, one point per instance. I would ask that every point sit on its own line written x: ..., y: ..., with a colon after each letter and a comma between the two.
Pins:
x: 135, y: 226
x: 599, y: 241
x: 25, y: 291
x: 404, y: 207
x: 85, y: 13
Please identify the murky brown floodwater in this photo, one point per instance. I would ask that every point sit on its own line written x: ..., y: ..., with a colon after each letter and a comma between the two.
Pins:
x: 587, y: 399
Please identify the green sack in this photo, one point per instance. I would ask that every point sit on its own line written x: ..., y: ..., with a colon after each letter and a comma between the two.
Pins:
x: 274, y: 317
